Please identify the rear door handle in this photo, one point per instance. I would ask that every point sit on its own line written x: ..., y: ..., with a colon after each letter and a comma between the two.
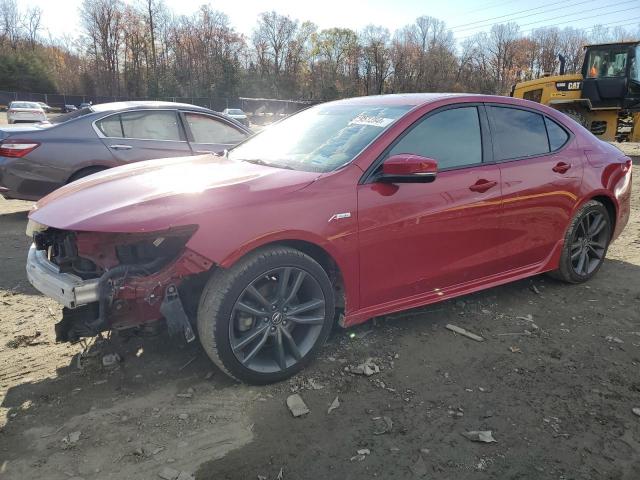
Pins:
x: 121, y: 147
x: 482, y: 185
x: 561, y: 167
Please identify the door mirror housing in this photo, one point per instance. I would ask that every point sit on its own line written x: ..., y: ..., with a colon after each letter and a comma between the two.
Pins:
x: 408, y: 168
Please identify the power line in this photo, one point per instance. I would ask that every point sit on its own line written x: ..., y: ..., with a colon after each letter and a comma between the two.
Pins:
x: 489, y: 7
x: 592, y: 10
x: 555, y: 17
x: 565, y: 22
x: 455, y: 27
x: 637, y: 22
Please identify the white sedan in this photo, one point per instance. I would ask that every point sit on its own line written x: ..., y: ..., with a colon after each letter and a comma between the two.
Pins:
x: 238, y: 115
x: 25, y: 112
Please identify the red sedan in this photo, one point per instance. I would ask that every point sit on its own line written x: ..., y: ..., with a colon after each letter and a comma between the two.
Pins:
x: 348, y: 210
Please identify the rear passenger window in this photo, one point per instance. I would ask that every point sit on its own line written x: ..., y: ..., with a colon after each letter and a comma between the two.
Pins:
x: 151, y: 125
x: 110, y: 126
x: 451, y: 137
x: 518, y: 133
x: 557, y: 135
x: 206, y: 129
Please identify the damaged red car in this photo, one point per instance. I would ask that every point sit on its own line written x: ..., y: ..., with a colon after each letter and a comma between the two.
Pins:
x: 345, y: 211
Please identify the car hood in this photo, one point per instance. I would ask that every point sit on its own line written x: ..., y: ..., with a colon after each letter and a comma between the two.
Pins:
x: 160, y: 194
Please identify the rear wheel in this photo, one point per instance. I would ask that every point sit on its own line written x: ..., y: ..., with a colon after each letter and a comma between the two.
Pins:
x: 265, y: 318
x: 585, y: 244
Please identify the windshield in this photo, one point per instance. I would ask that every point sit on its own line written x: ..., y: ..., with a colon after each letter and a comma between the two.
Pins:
x: 635, y: 65
x: 319, y: 139
x: 235, y: 111
x: 607, y: 62
x: 24, y: 105
x: 70, y: 115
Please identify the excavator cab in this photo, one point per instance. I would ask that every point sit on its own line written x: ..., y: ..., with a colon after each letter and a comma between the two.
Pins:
x: 611, y: 75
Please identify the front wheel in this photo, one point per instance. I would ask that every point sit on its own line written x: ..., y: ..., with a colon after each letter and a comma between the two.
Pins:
x: 585, y: 244
x: 266, y: 317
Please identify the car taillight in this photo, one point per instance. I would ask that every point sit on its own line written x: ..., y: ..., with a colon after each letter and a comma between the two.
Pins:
x: 17, y: 148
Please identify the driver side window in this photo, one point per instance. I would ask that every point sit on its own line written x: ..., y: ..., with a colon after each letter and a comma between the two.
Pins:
x: 451, y: 137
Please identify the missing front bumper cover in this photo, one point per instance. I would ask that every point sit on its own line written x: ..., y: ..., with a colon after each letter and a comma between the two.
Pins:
x: 67, y: 289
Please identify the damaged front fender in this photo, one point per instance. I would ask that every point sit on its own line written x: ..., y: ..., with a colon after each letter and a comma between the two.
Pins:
x: 126, y: 280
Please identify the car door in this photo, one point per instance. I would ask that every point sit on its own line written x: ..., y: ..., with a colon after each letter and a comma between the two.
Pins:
x: 209, y: 134
x: 143, y: 135
x: 541, y: 168
x: 420, y: 238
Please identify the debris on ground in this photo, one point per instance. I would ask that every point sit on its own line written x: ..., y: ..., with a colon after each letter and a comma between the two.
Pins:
x: 636, y: 411
x: 361, y: 455
x: 383, y: 425
x: 611, y: 338
x: 419, y: 468
x: 515, y: 349
x: 335, y: 404
x: 527, y: 318
x: 24, y: 340
x: 313, y: 385
x: 483, y: 436
x: 280, y: 475
x: 185, y: 476
x: 71, y: 439
x: 168, y: 473
x: 534, y: 289
x: 464, y: 332
x: 296, y: 405
x: 187, y: 394
x: 111, y: 359
x: 367, y: 368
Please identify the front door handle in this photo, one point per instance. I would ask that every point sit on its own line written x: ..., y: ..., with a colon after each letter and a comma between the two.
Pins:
x: 482, y: 185
x: 561, y: 167
x: 121, y: 147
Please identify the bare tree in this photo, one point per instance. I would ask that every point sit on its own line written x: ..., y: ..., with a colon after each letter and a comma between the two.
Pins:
x: 102, y: 20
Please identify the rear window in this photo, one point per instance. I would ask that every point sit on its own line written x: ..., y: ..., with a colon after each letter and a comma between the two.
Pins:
x: 65, y: 117
x: 518, y: 133
x: 557, y: 135
x: 24, y: 105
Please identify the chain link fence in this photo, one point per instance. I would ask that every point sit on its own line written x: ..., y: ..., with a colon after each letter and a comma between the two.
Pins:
x: 255, y: 106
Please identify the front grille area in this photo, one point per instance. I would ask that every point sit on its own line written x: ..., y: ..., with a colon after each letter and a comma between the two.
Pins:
x: 61, y: 249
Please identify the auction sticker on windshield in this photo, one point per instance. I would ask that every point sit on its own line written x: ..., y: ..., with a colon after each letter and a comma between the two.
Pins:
x: 364, y: 119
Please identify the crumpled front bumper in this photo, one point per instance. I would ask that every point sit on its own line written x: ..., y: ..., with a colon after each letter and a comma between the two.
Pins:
x: 65, y: 288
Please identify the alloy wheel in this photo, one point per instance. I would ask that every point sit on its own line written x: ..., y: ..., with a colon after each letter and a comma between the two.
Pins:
x: 277, y: 319
x: 589, y: 243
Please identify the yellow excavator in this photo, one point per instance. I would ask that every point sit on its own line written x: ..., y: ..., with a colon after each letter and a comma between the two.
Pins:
x: 604, y: 97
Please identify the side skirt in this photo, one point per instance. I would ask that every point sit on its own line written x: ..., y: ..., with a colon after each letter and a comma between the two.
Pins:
x: 438, y: 295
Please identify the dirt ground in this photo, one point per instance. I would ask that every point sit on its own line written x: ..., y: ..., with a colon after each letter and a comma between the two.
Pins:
x: 555, y: 381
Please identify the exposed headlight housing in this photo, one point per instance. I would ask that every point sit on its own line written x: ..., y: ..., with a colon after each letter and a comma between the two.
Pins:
x: 34, y: 227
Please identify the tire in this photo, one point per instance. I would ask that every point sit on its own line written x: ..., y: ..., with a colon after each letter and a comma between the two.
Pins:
x: 574, y: 266
x: 85, y: 172
x: 233, y: 321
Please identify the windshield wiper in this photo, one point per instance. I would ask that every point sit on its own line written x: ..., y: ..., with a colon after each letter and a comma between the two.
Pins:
x: 259, y: 161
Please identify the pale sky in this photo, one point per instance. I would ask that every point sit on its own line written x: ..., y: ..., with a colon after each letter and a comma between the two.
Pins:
x: 465, y: 17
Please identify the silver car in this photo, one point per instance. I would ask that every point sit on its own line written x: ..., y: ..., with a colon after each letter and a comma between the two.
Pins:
x: 25, y: 112
x: 237, y: 114
x: 37, y: 159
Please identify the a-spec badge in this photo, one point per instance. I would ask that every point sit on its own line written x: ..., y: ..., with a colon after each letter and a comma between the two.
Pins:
x: 338, y: 216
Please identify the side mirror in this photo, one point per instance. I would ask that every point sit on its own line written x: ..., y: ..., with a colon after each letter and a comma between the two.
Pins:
x: 408, y: 168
